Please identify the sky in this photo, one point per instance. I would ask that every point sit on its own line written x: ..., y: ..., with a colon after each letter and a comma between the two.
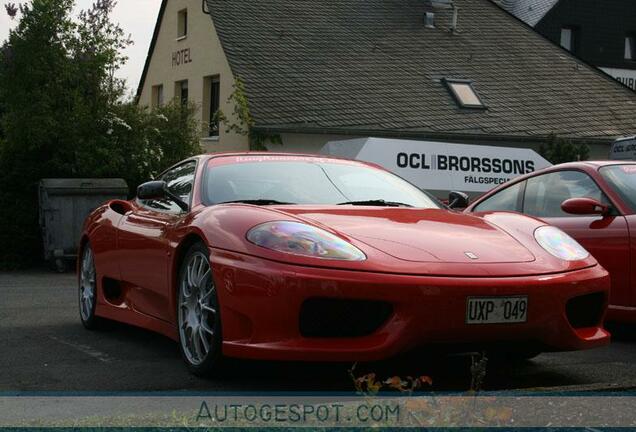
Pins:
x: 137, y: 17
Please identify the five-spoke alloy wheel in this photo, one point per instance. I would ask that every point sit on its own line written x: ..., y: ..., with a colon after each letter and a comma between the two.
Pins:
x: 198, y: 314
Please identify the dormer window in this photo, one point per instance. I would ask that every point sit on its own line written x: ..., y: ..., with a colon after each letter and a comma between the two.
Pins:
x: 630, y: 47
x: 429, y: 19
x: 464, y: 93
x: 182, y: 24
x: 570, y: 39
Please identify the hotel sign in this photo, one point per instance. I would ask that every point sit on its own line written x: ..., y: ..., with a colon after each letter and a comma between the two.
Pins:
x: 181, y: 57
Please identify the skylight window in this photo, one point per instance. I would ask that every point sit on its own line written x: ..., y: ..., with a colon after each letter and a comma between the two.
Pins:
x: 464, y: 93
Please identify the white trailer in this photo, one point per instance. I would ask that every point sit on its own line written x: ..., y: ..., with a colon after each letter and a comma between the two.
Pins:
x: 624, y: 149
x: 440, y: 166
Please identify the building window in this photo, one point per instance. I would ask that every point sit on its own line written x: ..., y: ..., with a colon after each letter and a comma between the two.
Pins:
x: 182, y: 24
x: 211, y: 104
x: 630, y: 47
x: 429, y: 20
x: 464, y: 93
x: 181, y: 91
x: 157, y: 96
x: 569, y: 38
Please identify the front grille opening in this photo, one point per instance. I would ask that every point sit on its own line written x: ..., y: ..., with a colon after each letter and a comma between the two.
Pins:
x: 337, y: 318
x: 585, y: 311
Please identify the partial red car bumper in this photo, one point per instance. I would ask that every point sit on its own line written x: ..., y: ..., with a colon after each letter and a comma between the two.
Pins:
x: 264, y: 310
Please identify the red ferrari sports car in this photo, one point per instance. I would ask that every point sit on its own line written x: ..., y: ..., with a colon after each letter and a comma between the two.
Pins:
x: 595, y: 203
x: 298, y: 257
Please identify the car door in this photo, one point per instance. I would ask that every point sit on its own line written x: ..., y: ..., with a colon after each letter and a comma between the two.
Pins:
x: 144, y: 246
x: 620, y: 180
x: 606, y: 238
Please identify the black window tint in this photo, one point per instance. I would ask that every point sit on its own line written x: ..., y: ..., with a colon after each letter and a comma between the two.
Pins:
x: 505, y: 200
x: 180, y: 181
x: 545, y: 194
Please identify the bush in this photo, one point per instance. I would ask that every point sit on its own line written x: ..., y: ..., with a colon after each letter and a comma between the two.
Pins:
x: 62, y: 115
x: 559, y: 150
x: 137, y: 144
x: 132, y: 143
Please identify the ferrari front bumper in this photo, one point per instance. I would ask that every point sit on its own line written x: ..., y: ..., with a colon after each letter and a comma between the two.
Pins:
x: 261, y: 304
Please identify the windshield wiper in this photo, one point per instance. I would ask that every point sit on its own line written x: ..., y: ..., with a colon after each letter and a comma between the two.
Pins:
x: 376, y: 202
x: 257, y: 202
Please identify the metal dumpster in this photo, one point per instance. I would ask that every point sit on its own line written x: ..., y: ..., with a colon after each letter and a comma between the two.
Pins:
x: 64, y: 205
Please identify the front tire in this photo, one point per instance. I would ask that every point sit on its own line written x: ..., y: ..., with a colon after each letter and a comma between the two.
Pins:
x: 198, y: 313
x: 87, y: 289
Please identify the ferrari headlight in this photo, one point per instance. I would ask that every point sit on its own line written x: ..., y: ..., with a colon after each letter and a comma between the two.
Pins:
x: 300, y: 239
x: 559, y: 244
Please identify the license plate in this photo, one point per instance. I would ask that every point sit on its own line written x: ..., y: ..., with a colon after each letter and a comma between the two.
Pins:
x: 497, y: 310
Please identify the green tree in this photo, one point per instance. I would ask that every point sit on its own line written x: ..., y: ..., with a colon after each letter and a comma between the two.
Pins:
x: 559, y: 150
x: 63, y: 114
x: 137, y: 143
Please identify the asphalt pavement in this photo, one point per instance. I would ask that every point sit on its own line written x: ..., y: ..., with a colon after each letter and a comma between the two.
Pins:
x: 43, y: 347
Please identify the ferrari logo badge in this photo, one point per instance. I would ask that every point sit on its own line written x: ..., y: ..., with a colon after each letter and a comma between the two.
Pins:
x: 471, y: 255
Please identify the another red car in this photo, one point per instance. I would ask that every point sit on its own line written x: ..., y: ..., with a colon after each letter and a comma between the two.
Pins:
x: 595, y: 203
x: 296, y: 257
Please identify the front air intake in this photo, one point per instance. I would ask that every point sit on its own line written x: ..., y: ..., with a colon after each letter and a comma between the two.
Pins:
x: 337, y: 318
x: 585, y: 311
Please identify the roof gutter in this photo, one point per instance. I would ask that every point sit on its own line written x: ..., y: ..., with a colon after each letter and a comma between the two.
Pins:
x: 453, y: 137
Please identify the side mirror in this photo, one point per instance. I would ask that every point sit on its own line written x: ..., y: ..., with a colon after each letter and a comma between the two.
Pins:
x: 584, y: 206
x: 457, y: 200
x: 154, y: 190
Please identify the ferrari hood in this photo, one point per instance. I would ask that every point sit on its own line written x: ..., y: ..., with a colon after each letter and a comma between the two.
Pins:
x: 421, y: 235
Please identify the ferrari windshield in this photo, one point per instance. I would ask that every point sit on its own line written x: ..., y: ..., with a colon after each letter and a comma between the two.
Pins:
x: 622, y: 178
x: 309, y: 181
